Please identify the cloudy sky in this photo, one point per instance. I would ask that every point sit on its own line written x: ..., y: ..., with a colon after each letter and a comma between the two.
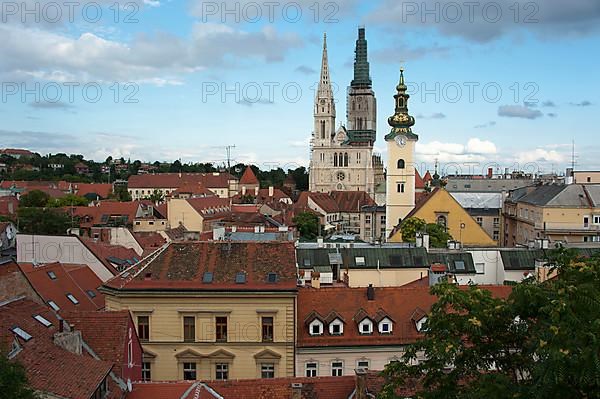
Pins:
x: 501, y: 83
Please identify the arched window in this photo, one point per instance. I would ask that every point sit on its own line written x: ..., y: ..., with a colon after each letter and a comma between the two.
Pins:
x: 442, y: 221
x: 346, y: 159
x: 401, y: 164
x: 400, y: 102
x: 341, y: 159
x: 335, y: 159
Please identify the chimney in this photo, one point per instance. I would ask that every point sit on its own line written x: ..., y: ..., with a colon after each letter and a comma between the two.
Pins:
x: 320, y: 242
x: 271, y: 191
x: 315, y: 280
x: 361, y: 384
x: 370, y: 292
x: 296, y: 390
x: 243, y: 190
x: 69, y: 339
x: 490, y: 173
x: 256, y: 191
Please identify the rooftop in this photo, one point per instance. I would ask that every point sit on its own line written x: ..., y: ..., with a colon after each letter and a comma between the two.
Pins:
x: 176, y: 180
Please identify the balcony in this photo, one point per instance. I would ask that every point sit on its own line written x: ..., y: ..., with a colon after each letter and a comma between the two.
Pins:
x: 567, y: 227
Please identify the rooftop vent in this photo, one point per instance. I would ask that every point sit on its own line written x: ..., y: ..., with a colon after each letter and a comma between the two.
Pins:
x: 272, y: 277
x: 370, y: 292
x: 207, y: 278
x: 240, y: 278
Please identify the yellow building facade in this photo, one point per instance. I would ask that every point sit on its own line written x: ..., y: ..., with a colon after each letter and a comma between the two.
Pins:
x: 441, y: 208
x: 213, y: 311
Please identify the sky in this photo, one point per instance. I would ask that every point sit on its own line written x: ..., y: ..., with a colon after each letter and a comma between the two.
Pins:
x: 504, y: 83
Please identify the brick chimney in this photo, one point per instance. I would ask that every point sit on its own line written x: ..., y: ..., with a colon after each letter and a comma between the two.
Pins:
x: 271, y: 191
x: 361, y: 384
x: 315, y: 279
x: 68, y: 338
x: 296, y: 390
x: 370, y: 292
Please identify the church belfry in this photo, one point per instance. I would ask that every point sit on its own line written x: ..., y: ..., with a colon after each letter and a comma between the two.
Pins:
x: 324, y: 115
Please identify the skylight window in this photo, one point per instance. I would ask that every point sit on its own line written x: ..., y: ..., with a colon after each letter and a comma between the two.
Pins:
x: 24, y: 335
x: 72, y: 299
x: 91, y: 294
x: 272, y: 277
x: 459, y: 264
x: 207, y: 278
x: 360, y: 260
x: 53, y: 305
x: 240, y: 278
x: 52, y: 275
x: 45, y: 322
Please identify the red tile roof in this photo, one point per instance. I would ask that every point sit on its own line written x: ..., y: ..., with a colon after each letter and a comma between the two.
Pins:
x: 398, y: 303
x: 276, y: 388
x: 105, y: 332
x: 176, y: 180
x: 181, y: 266
x: 93, y: 215
x: 104, y: 190
x: 210, y: 205
x: 70, y: 279
x: 49, y: 368
x: 195, y: 188
x: 149, y: 241
x: 103, y: 251
x: 8, y: 205
x: 352, y: 201
x: 419, y: 183
x: 249, y: 178
x: 427, y: 177
x: 16, y: 151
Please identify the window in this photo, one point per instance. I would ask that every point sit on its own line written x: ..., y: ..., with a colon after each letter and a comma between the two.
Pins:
x: 267, y: 329
x: 146, y: 371
x: 360, y: 260
x: 367, y: 219
x: 496, y: 235
x: 365, y: 327
x: 53, y: 305
x: 363, y: 364
x: 91, y: 294
x: 400, y: 187
x: 596, y: 219
x: 385, y: 326
x: 143, y: 328
x: 442, y: 221
x: 221, y: 324
x: 310, y: 369
x: 45, y: 322
x: 222, y: 371
x: 24, y: 335
x: 335, y: 159
x: 459, y: 265
x: 337, y: 368
x: 272, y: 277
x: 52, y: 275
x: 586, y: 221
x: 189, y: 371
x: 72, y: 299
x: 496, y: 222
x: 336, y: 327
x: 267, y: 370
x: 240, y: 278
x: 479, y: 220
x: 189, y: 328
x: 401, y: 164
x: 346, y: 159
x: 480, y: 268
x: 316, y: 327
x: 207, y: 277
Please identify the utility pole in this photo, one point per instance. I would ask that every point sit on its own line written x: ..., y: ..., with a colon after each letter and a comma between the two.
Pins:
x: 228, y: 149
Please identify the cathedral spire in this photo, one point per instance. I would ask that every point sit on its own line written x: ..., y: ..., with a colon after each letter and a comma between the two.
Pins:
x: 325, y: 83
x: 361, y: 63
x: 401, y: 122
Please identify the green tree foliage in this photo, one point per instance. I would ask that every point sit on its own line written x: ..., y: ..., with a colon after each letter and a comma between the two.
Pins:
x: 13, y: 380
x: 51, y: 221
x: 307, y: 224
x: 34, y: 198
x: 300, y: 176
x: 67, y: 200
x: 438, y: 236
x: 156, y: 196
x: 121, y: 194
x: 542, y: 342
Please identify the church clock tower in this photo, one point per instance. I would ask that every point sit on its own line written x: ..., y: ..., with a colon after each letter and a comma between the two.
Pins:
x: 400, y: 178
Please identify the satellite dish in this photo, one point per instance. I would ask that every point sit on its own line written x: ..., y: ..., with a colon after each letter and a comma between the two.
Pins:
x: 129, y: 387
x: 9, y: 233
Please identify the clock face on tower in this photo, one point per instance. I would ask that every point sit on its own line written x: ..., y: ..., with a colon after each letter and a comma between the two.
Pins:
x: 400, y: 140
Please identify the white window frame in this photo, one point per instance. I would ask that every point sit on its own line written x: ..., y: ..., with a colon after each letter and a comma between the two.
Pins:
x: 336, y: 322
x: 480, y: 267
x: 315, y: 322
x: 314, y: 371
x: 338, y: 369
x: 359, y: 361
x: 72, y: 298
x: 365, y: 322
x: 54, y: 306
x: 388, y: 322
x: 42, y: 320
x: 419, y: 324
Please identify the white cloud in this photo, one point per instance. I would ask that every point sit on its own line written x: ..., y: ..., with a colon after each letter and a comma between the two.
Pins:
x: 540, y: 155
x: 437, y: 147
x: 519, y: 111
x: 479, y: 146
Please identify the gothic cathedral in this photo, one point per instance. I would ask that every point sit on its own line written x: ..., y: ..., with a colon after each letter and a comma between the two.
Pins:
x: 342, y: 159
x: 400, y: 176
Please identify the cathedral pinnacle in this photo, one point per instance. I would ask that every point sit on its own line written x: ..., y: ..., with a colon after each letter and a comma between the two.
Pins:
x: 401, y: 122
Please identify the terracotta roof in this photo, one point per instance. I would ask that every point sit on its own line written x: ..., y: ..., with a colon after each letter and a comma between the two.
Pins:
x: 101, y: 213
x: 276, y: 388
x: 105, y: 332
x: 352, y: 201
x: 176, y: 180
x: 323, y: 200
x: 209, y: 205
x: 107, y: 253
x: 427, y: 177
x: 16, y: 151
x: 149, y: 241
x: 50, y: 368
x: 249, y: 177
x: 399, y: 303
x: 419, y: 183
x: 104, y: 190
x: 72, y: 279
x: 194, y: 188
x: 182, y: 266
x: 8, y: 205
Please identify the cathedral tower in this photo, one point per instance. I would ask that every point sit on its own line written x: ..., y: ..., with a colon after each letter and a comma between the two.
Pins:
x: 400, y: 178
x: 324, y: 114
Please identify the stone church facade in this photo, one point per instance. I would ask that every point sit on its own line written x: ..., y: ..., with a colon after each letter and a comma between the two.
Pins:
x: 342, y: 159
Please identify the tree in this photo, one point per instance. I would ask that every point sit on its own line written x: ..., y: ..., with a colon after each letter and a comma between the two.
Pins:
x: 307, y: 224
x: 67, y: 200
x: 543, y: 341
x: 438, y: 236
x: 13, y: 380
x: 122, y: 194
x: 300, y: 176
x: 156, y: 196
x: 34, y: 198
x: 50, y: 221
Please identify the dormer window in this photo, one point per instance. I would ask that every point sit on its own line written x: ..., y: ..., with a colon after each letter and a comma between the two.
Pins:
x: 336, y: 327
x: 365, y: 326
x: 420, y: 324
x: 316, y: 327
x: 385, y: 326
